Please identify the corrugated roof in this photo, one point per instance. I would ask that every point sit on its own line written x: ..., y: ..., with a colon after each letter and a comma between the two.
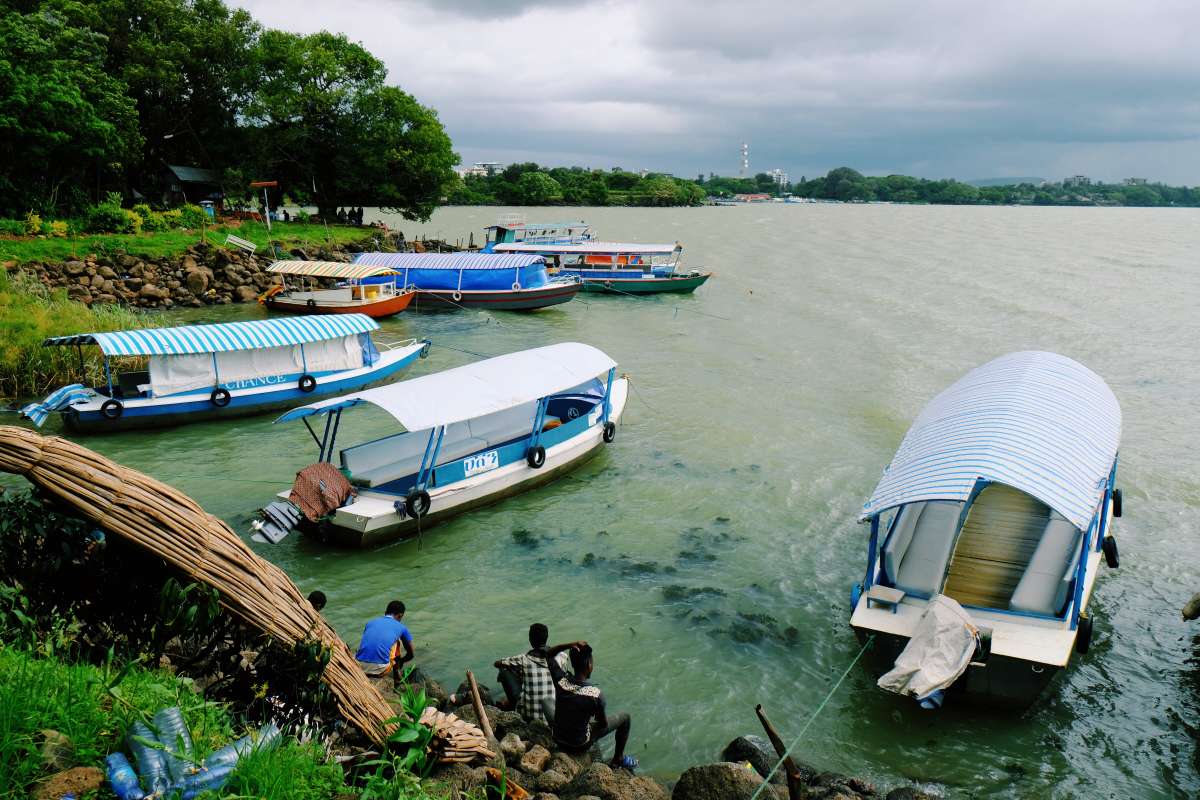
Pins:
x: 1036, y: 421
x: 223, y: 337
x: 448, y: 260
x: 194, y: 174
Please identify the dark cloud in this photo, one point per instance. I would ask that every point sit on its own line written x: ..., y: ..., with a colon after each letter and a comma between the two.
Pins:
x: 939, y: 88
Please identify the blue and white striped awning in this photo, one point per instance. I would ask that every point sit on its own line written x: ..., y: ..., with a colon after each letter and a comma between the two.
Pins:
x: 223, y: 337
x: 1038, y: 422
x: 448, y: 260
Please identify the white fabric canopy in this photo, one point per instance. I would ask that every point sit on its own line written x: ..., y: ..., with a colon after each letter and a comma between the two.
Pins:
x: 474, y: 390
x: 184, y: 373
x: 939, y: 651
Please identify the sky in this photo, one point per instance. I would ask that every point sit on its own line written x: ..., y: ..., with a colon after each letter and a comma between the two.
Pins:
x: 962, y: 89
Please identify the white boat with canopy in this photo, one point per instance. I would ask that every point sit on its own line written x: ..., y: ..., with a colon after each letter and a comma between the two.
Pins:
x: 167, y: 376
x: 987, y: 532
x: 472, y: 435
x: 353, y: 294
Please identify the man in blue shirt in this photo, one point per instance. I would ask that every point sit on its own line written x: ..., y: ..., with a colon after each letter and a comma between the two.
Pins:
x: 381, y: 637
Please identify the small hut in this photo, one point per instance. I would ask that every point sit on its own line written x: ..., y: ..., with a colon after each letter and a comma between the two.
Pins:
x: 191, y: 185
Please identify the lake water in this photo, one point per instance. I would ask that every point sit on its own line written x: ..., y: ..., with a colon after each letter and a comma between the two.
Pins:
x: 766, y: 406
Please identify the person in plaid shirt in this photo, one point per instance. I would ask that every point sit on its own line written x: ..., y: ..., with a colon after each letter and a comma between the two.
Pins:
x: 526, y: 678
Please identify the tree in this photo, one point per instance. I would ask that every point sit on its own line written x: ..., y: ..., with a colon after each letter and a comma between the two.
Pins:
x: 64, y: 122
x: 323, y: 118
x: 537, y: 189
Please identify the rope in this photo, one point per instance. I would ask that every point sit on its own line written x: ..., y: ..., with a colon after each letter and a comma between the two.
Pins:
x: 463, y: 350
x: 633, y: 386
x: 787, y: 753
x: 677, y: 308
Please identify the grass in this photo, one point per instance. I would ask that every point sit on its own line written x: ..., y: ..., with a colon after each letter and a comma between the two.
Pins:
x: 29, y: 312
x: 24, y: 250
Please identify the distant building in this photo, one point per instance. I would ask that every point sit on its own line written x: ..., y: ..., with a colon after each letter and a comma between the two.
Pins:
x: 1134, y: 181
x: 182, y: 184
x: 482, y: 169
x: 1077, y: 180
x: 780, y: 177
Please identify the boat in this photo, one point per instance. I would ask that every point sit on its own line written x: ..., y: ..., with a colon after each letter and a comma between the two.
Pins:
x: 203, y: 372
x: 987, y: 532
x: 617, y: 267
x: 506, y: 282
x: 382, y: 298
x: 470, y: 436
x: 510, y: 228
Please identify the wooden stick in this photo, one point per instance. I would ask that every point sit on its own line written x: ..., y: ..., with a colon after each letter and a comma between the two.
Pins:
x: 484, y: 722
x: 795, y: 782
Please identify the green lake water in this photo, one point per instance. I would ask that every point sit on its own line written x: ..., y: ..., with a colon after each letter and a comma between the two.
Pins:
x: 708, y: 553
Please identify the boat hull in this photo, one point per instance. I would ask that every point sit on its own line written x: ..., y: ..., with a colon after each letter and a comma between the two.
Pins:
x: 505, y: 300
x: 681, y: 284
x: 144, y: 413
x: 377, y: 309
x: 349, y: 528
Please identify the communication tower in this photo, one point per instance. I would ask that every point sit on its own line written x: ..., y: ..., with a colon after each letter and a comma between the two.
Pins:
x: 745, y: 160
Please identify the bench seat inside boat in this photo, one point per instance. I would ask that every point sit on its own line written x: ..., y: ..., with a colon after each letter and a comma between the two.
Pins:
x: 1047, y: 580
x: 918, y: 550
x: 383, y: 460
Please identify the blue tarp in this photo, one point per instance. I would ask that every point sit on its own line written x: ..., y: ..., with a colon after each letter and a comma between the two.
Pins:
x: 460, y: 271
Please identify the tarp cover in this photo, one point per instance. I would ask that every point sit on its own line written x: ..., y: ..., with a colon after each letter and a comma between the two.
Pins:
x: 174, y: 374
x: 460, y: 271
x: 590, y: 247
x: 939, y: 651
x: 485, y: 387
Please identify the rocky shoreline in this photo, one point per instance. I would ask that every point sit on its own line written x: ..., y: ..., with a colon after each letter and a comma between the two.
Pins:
x: 529, y: 758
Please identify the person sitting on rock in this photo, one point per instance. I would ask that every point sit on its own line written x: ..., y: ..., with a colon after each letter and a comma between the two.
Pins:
x: 526, y: 679
x: 580, y: 716
x: 378, y: 650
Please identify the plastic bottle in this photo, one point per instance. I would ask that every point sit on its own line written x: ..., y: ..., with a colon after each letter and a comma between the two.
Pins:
x: 151, y: 762
x: 265, y: 738
x: 173, y: 732
x: 122, y: 777
x: 202, y: 781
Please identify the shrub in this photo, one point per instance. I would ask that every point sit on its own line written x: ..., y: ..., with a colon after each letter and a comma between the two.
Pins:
x: 193, y: 216
x: 57, y: 228
x: 154, y: 221
x: 33, y: 224
x: 109, y: 217
x: 143, y: 210
x: 173, y: 217
x: 133, y: 221
x: 12, y: 227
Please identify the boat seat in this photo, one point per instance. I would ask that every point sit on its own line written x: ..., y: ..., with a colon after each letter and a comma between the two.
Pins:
x: 1044, y: 585
x: 374, y: 463
x: 918, y: 551
x: 504, y: 426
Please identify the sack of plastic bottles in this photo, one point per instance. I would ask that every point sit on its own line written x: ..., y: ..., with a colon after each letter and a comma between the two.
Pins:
x: 173, y: 732
x: 151, y: 762
x: 123, y: 779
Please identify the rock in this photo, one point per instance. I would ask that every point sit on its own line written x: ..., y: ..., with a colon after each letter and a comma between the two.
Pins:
x: 534, y: 760
x: 565, y: 765
x: 512, y: 748
x: 189, y: 263
x: 96, y: 281
x: 74, y: 267
x: 551, y: 781
x: 908, y: 793
x: 128, y: 262
x: 106, y: 299
x: 107, y: 272
x: 245, y: 294
x: 605, y: 783
x: 459, y: 779
x: 75, y: 781
x: 57, y: 750
x: 79, y: 293
x: 545, y: 796
x: 198, y: 280
x: 723, y: 781
x: 755, y: 750
x: 150, y: 292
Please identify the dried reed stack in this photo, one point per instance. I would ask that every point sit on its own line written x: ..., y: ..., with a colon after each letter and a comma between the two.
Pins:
x: 170, y: 524
x: 455, y: 741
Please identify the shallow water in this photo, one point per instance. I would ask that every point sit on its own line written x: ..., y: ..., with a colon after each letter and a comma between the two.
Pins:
x: 708, y: 553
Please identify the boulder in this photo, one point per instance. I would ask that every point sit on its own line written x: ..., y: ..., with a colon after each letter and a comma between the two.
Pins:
x: 79, y: 293
x: 534, y: 760
x: 151, y: 292
x: 128, y: 261
x: 512, y: 748
x: 565, y: 765
x: 908, y: 793
x: 722, y: 781
x: 77, y: 781
x: 107, y: 272
x: 459, y: 779
x: 96, y: 281
x: 832, y: 785
x: 245, y: 294
x: 602, y: 781
x: 105, y: 299
x: 545, y: 796
x: 551, y: 780
x: 74, y: 268
x: 198, y: 280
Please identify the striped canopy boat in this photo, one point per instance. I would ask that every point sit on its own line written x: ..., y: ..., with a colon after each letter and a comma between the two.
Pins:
x: 381, y: 298
x: 616, y: 267
x: 196, y: 372
x: 999, y: 498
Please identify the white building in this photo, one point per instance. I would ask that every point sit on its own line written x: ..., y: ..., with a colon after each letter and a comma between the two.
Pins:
x: 1077, y: 180
x: 482, y: 169
x: 780, y: 177
x: 1135, y: 181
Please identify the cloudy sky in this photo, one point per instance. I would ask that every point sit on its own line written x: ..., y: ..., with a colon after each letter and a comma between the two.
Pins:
x: 955, y: 88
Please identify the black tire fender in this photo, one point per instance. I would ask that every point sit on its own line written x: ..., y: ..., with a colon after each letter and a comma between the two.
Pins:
x: 610, y: 432
x: 536, y: 457
x: 112, y: 409
x: 1083, y: 635
x: 417, y: 503
x: 312, y: 304
x: 307, y: 383
x: 1111, y: 556
x: 220, y: 397
x: 1116, y: 502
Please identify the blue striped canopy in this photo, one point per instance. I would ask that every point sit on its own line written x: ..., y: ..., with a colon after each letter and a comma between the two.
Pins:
x: 224, y: 337
x: 454, y: 261
x: 1038, y: 422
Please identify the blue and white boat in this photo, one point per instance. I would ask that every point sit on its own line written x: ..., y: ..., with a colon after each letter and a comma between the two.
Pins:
x: 201, y: 372
x: 988, y: 529
x: 471, y: 435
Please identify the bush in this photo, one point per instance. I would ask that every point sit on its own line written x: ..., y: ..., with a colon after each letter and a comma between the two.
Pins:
x: 109, y: 217
x: 12, y: 227
x: 193, y: 216
x: 173, y: 218
x: 33, y: 224
x: 154, y: 221
x: 143, y: 210
x: 57, y: 229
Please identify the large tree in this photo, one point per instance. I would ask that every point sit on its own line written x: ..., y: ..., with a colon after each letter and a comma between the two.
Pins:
x: 324, y: 121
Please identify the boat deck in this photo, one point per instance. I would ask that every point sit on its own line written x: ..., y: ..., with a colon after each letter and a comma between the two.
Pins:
x: 997, y: 541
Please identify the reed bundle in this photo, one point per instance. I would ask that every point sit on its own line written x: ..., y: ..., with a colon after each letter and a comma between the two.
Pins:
x: 455, y: 741
x: 173, y: 526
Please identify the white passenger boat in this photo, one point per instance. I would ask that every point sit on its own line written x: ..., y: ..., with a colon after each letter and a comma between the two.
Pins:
x: 472, y: 435
x: 1000, y: 499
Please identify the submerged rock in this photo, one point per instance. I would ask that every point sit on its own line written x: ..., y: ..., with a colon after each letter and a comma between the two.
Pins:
x: 722, y: 781
x: 605, y: 783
